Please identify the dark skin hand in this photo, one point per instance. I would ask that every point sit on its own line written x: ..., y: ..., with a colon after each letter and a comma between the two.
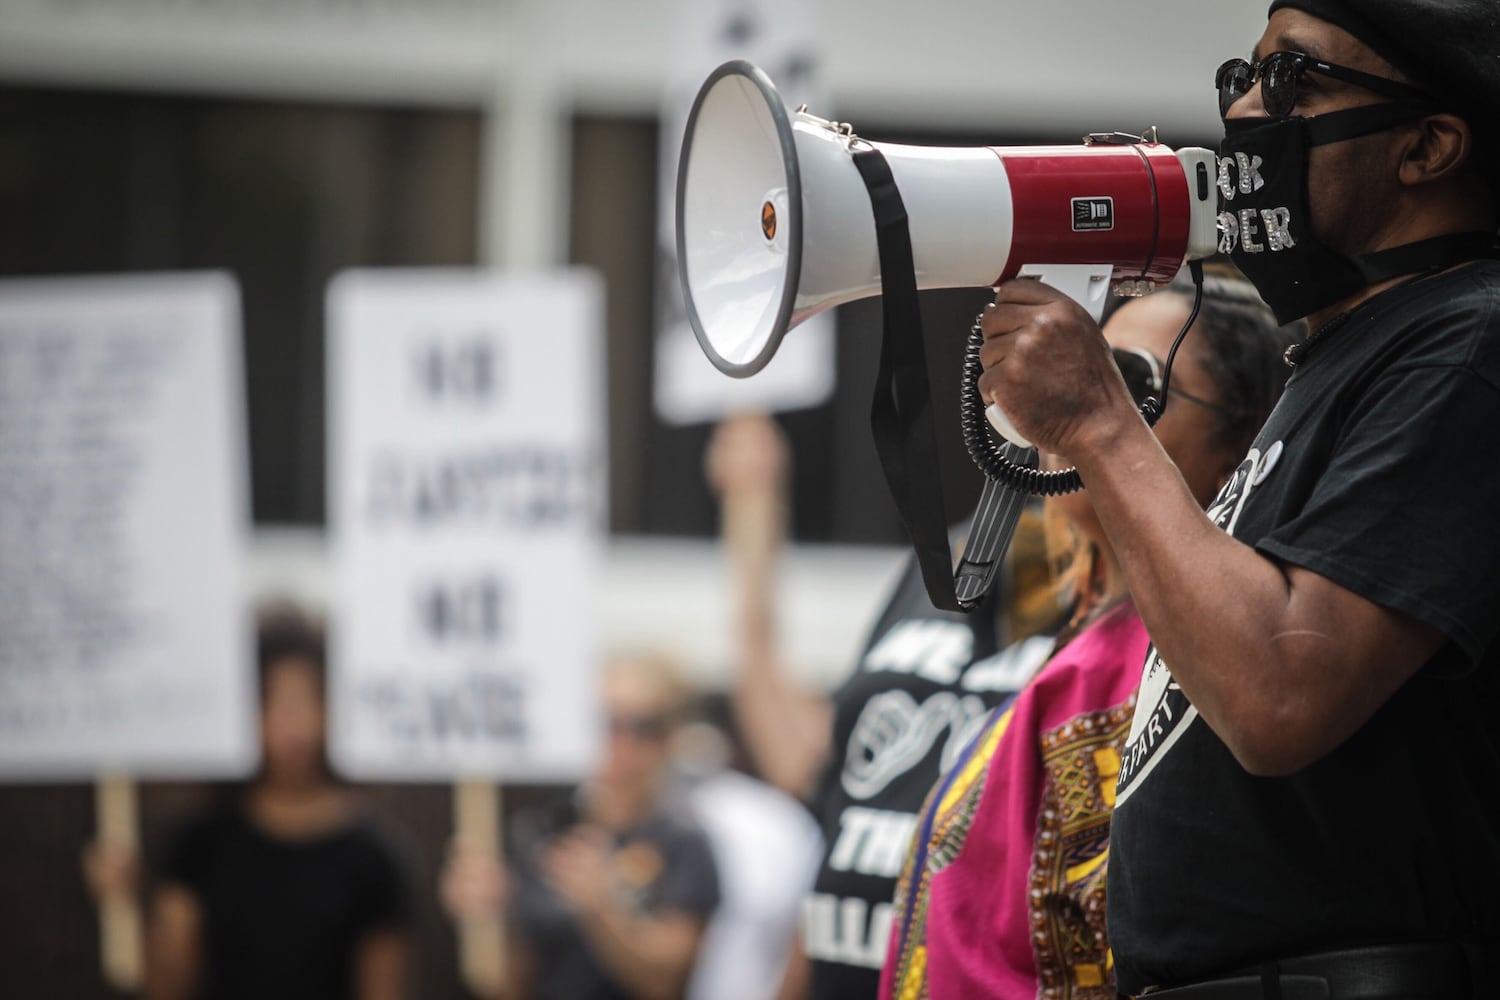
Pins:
x: 1282, y: 663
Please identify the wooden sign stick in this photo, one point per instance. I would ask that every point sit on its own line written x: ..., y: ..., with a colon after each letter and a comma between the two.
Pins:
x: 120, y: 937
x: 481, y: 940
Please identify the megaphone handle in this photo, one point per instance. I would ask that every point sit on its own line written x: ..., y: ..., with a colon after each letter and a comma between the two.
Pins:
x: 1086, y: 284
x: 990, y: 532
x: 1010, y: 464
x: 1003, y: 426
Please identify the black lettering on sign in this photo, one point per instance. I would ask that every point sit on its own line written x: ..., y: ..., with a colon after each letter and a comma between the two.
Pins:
x: 463, y: 372
x: 470, y: 611
x: 419, y: 712
x: 516, y: 486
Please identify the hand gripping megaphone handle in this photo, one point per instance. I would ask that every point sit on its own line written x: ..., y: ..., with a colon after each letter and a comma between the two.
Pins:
x: 901, y: 414
x: 1004, y: 427
x: 1086, y: 284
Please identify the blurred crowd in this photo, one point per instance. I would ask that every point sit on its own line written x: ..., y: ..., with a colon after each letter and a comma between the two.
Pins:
x: 755, y: 845
x: 669, y: 871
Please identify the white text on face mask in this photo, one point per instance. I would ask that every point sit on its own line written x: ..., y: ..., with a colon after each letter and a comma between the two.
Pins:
x: 1246, y: 178
x: 1240, y: 174
x: 1244, y: 227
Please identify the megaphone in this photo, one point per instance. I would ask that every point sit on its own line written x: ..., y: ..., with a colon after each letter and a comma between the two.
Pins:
x: 774, y: 222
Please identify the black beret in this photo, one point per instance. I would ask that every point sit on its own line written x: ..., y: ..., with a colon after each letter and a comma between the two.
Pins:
x: 1449, y: 47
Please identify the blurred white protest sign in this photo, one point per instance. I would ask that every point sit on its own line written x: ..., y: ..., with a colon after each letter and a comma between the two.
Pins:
x: 466, y: 473
x: 124, y: 638
x: 780, y: 36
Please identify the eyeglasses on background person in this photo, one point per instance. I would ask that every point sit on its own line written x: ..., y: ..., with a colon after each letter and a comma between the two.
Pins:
x: 1143, y: 377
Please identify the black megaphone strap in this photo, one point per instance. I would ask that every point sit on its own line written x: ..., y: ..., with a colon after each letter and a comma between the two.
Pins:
x: 902, y: 420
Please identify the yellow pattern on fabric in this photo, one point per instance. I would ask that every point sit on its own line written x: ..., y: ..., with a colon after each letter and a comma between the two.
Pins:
x: 1088, y: 975
x: 916, y: 986
x: 950, y: 825
x: 1107, y: 761
x: 975, y: 765
x: 1081, y: 760
x: 1080, y: 872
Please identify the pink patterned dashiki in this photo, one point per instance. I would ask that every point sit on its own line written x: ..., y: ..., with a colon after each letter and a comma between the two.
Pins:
x: 1003, y: 891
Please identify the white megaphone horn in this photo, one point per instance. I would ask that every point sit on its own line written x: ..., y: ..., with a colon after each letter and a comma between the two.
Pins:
x: 774, y: 222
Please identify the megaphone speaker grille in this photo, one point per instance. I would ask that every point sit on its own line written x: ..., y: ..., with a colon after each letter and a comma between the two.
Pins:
x: 739, y: 218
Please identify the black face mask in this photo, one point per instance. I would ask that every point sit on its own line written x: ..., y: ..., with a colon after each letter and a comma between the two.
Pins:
x: 1265, y: 223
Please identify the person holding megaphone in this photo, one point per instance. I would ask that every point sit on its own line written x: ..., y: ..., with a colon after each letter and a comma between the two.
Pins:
x: 1304, y: 794
x: 1003, y: 889
x: 1229, y: 375
x: 1305, y: 803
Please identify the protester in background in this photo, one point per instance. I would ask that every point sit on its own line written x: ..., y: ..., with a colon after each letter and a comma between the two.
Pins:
x: 607, y: 893
x: 1003, y: 890
x: 767, y: 847
x: 864, y: 759
x: 283, y: 890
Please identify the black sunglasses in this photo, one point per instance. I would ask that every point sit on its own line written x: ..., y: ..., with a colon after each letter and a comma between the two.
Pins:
x: 646, y: 728
x: 1142, y: 373
x: 1278, y: 74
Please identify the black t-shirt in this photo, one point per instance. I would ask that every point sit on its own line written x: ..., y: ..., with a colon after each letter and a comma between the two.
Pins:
x: 922, y: 689
x: 1379, y: 470
x: 282, y: 918
x: 662, y: 866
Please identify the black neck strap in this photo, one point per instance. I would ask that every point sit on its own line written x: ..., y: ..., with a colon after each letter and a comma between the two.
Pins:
x: 902, y: 420
x: 1427, y: 256
x: 1367, y: 119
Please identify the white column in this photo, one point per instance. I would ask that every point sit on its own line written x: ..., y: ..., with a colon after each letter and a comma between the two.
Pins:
x: 526, y: 152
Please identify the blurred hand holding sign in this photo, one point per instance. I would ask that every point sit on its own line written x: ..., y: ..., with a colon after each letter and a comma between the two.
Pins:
x: 124, y: 636
x: 466, y: 467
x: 466, y: 485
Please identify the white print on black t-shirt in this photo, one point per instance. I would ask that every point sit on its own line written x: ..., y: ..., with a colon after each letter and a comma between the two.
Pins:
x: 846, y: 930
x: 1162, y: 715
x: 1272, y: 456
x: 1162, y: 712
x: 894, y: 734
x: 1225, y: 510
x: 872, y: 841
x: 933, y: 649
x: 1009, y: 669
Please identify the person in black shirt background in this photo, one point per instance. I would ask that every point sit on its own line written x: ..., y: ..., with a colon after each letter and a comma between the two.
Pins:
x: 865, y: 757
x: 283, y: 889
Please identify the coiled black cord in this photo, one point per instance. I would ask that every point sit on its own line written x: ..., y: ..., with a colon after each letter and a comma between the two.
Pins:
x: 986, y: 451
